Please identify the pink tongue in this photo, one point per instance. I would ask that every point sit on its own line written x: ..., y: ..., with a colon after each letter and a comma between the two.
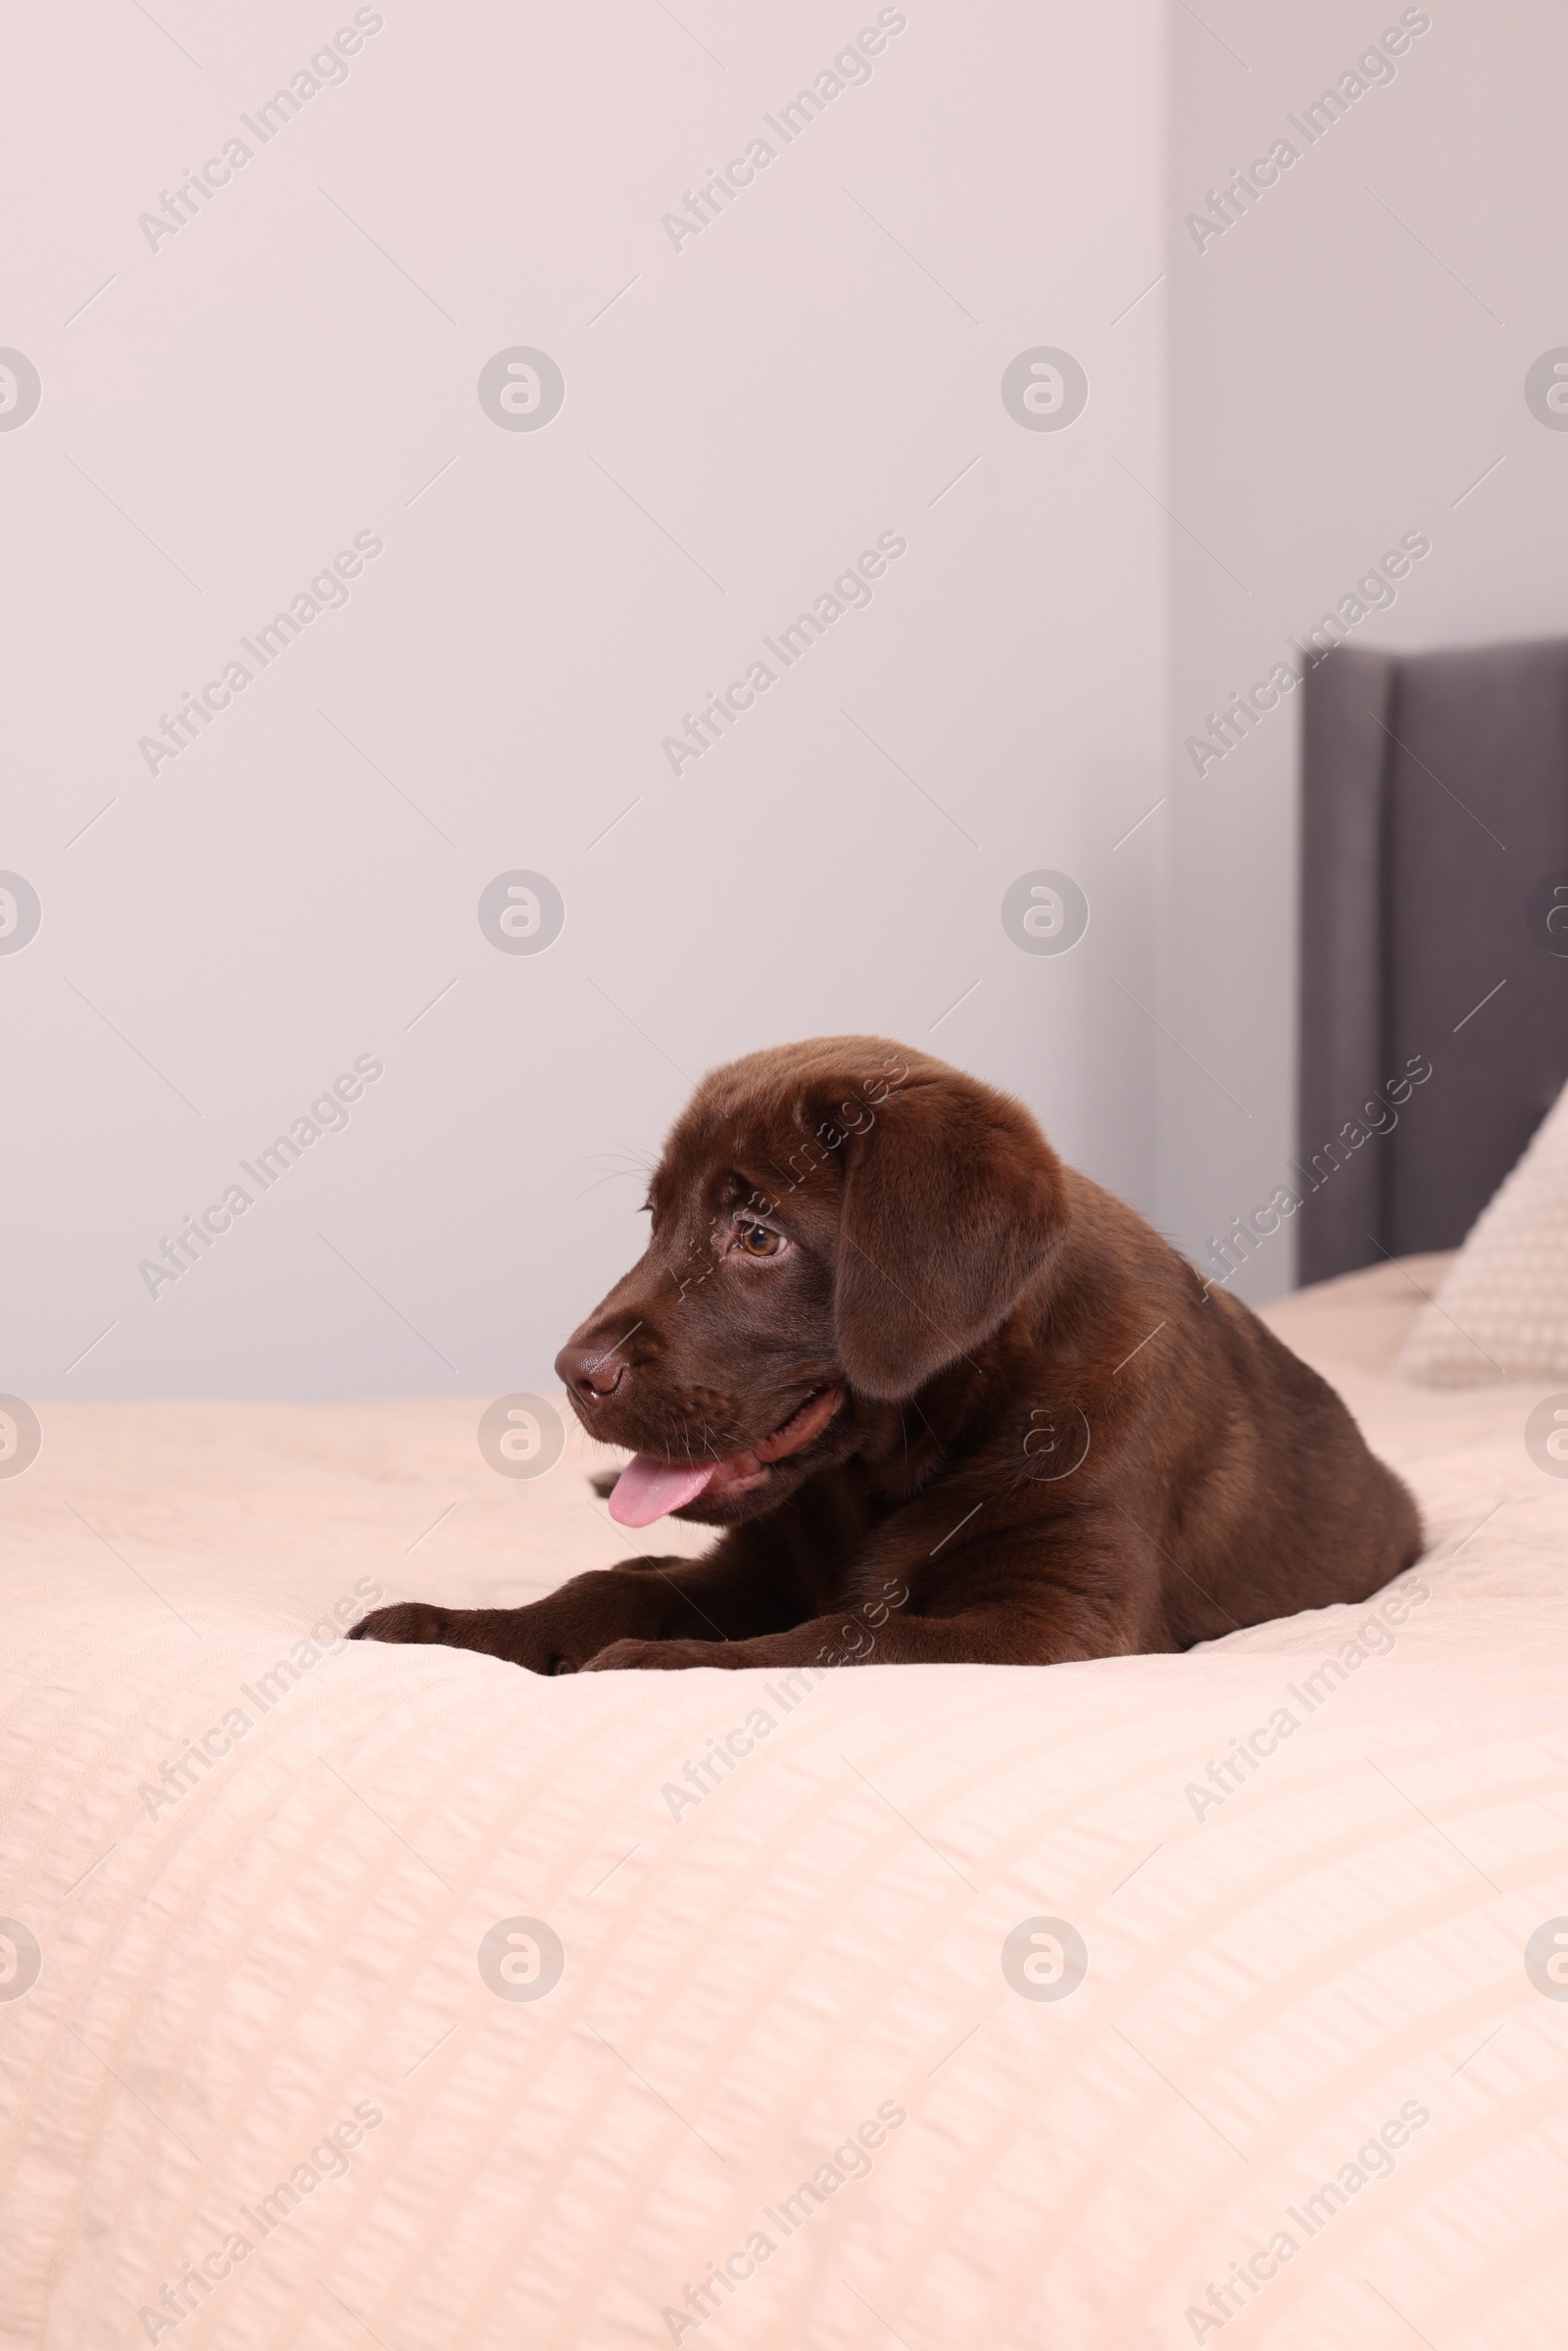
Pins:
x: 647, y: 1490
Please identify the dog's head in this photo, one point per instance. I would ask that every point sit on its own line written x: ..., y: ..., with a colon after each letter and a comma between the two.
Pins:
x: 839, y: 1219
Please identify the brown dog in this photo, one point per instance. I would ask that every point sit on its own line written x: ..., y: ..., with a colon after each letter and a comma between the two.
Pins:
x: 952, y: 1402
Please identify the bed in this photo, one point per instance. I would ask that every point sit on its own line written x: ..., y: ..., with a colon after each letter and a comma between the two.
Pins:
x: 358, y: 1994
x: 393, y: 1995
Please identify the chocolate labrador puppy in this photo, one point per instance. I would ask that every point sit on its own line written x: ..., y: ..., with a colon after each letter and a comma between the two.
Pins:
x: 948, y: 1401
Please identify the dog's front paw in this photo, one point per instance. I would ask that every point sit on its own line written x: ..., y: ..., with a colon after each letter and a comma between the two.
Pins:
x: 405, y: 1621
x: 650, y: 1656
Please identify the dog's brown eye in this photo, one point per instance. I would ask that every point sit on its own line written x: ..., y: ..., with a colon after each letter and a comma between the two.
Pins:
x: 760, y: 1241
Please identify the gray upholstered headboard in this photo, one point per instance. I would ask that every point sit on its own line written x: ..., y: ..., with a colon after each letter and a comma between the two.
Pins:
x: 1433, y: 833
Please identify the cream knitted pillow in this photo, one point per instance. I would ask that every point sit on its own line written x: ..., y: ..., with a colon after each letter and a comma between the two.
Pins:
x: 1501, y: 1312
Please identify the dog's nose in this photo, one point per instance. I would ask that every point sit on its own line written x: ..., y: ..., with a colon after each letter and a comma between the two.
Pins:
x: 589, y: 1372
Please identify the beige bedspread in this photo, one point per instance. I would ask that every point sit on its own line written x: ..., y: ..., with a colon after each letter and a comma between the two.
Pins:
x: 397, y: 1996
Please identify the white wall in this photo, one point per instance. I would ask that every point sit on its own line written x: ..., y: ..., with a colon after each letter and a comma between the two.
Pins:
x: 298, y: 363
x: 1347, y: 363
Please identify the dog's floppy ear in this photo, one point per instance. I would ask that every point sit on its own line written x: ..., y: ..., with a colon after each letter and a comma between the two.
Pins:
x: 950, y: 1202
